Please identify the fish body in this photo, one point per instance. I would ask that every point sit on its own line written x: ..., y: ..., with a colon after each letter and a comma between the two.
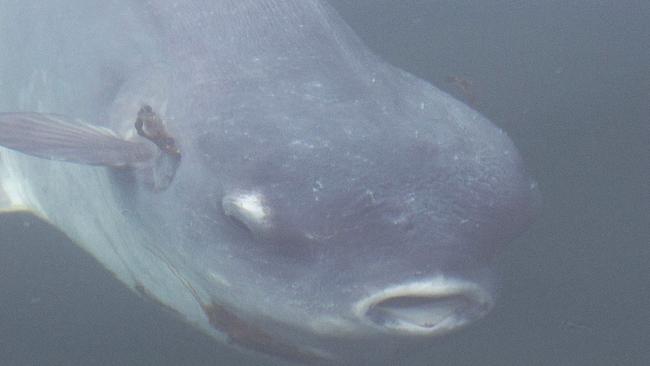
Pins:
x: 293, y: 195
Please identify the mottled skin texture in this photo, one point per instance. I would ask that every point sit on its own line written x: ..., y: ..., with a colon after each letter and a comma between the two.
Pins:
x: 369, y: 177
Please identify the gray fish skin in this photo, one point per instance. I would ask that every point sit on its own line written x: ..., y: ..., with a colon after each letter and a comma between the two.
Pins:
x: 328, y: 208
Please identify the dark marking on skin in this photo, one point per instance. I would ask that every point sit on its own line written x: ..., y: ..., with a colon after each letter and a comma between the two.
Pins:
x: 465, y: 86
x: 150, y: 126
x: 248, y: 336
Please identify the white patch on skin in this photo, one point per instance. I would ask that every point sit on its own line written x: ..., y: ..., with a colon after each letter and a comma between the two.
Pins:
x: 252, y: 206
x: 218, y: 279
x: 16, y: 195
x: 249, y: 208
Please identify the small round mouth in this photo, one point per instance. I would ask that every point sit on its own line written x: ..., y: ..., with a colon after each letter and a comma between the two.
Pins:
x: 430, y: 307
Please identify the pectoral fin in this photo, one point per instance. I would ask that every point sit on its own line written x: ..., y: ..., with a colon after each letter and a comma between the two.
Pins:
x: 56, y: 137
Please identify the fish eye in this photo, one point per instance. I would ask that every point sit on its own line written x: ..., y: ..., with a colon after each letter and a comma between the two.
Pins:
x: 248, y: 210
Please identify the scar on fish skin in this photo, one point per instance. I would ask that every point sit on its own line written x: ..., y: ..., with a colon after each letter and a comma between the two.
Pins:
x: 150, y: 126
x: 248, y: 336
x: 465, y: 86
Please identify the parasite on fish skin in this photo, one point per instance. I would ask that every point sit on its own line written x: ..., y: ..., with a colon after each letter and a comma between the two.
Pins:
x: 150, y: 126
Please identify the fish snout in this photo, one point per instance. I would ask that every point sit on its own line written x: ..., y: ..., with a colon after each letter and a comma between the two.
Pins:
x: 426, y: 308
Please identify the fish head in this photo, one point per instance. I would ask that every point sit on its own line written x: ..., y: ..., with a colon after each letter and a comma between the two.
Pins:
x: 324, y: 215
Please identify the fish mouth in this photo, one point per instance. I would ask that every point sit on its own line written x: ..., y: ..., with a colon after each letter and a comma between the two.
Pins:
x: 426, y: 308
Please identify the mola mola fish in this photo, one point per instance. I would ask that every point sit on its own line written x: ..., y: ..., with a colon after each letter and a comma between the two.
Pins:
x: 251, y: 165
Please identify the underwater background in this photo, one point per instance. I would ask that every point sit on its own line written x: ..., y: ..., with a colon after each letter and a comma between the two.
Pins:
x: 569, y: 80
